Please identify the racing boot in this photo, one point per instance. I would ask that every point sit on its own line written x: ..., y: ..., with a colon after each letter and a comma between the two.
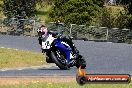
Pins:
x: 80, y: 61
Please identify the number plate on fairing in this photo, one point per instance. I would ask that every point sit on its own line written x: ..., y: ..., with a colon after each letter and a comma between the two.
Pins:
x: 47, y: 43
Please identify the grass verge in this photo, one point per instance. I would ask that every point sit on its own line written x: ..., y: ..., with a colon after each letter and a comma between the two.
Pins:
x: 17, y: 58
x: 67, y: 85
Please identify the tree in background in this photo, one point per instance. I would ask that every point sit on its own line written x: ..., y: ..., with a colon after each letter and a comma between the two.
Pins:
x: 12, y: 8
x: 128, y: 4
x: 124, y: 2
x: 130, y: 14
x: 43, y: 2
x: 76, y: 11
x: 111, y: 19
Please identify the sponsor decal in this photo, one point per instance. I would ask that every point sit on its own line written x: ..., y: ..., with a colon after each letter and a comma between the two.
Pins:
x: 83, y: 78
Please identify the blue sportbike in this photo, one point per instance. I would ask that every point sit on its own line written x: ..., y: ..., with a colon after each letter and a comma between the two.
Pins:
x: 60, y: 52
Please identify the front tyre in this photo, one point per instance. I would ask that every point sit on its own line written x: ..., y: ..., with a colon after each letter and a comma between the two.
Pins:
x: 59, y: 59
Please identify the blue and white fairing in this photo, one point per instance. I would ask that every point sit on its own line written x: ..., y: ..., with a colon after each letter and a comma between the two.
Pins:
x: 64, y: 47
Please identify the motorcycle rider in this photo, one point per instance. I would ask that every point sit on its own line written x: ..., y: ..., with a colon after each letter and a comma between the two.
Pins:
x: 43, y: 31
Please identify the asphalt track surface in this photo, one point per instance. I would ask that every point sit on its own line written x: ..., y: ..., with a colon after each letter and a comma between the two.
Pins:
x: 101, y: 57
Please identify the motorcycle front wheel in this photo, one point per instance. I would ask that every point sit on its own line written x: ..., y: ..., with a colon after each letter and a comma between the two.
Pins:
x: 59, y: 59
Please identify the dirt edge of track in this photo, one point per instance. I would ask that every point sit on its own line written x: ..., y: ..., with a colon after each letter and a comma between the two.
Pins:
x: 39, y: 79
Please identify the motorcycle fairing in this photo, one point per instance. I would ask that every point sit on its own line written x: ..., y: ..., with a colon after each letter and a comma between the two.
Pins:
x: 47, y: 41
x: 63, y: 48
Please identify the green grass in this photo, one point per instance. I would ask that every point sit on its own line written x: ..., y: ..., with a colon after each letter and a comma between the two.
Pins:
x: 16, y: 58
x: 67, y: 85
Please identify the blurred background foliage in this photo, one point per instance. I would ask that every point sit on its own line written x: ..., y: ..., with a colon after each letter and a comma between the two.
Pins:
x: 99, y: 13
x: 86, y: 12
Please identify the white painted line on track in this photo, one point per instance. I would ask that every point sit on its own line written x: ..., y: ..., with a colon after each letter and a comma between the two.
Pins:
x: 16, y: 49
x: 32, y: 67
x: 3, y: 70
x: 19, y: 69
x: 109, y: 42
x: 10, y: 48
x: 2, y: 47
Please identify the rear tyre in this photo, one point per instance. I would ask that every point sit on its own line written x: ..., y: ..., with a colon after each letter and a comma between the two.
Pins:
x: 59, y: 59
